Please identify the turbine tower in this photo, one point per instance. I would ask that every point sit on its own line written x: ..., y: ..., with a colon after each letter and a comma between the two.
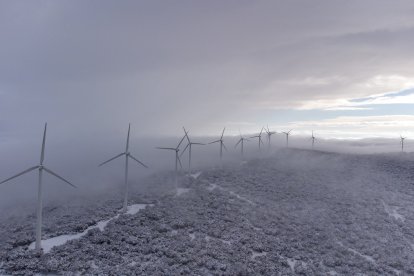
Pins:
x: 40, y: 168
x: 402, y: 143
x: 221, y: 144
x: 287, y: 137
x: 269, y: 135
x: 127, y: 156
x: 177, y: 157
x: 260, y: 137
x: 189, y: 146
x: 313, y: 140
x: 241, y: 142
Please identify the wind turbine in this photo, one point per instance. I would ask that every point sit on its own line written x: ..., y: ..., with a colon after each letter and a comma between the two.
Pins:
x: 189, y: 146
x: 269, y: 135
x: 177, y: 157
x: 127, y: 156
x: 287, y: 137
x: 313, y: 140
x: 241, y: 142
x: 221, y: 144
x: 260, y: 137
x: 41, y: 168
x: 402, y: 143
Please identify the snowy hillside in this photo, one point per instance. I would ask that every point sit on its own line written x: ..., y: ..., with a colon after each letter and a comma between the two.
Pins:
x: 295, y: 212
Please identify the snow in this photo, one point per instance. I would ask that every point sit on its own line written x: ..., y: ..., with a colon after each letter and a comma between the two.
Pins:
x: 48, y: 244
x: 241, y: 197
x: 256, y: 254
x: 209, y: 238
x: 181, y: 191
x: 291, y: 262
x: 212, y: 186
x: 366, y: 257
x: 135, y: 208
x: 392, y: 212
x: 195, y: 175
x: 342, y: 214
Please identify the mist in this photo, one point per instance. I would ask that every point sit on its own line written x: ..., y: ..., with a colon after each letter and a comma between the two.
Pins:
x: 76, y: 157
x: 339, y: 70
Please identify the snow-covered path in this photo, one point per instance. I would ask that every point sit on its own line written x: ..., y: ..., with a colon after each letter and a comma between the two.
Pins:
x: 48, y: 244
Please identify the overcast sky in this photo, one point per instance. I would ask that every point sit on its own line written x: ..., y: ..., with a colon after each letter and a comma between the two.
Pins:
x: 342, y: 68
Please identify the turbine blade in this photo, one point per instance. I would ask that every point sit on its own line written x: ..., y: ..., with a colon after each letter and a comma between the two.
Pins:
x: 138, y: 161
x: 184, y: 149
x: 127, y: 143
x: 261, y: 131
x: 165, y: 148
x: 42, y: 154
x: 119, y: 155
x: 225, y: 147
x: 179, y: 162
x: 198, y: 144
x: 235, y: 146
x: 222, y: 133
x: 61, y: 178
x: 214, y: 142
x: 19, y: 174
x: 186, y: 135
x: 182, y: 139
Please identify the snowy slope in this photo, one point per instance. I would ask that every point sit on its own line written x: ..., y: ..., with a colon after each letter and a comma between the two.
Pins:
x: 296, y: 212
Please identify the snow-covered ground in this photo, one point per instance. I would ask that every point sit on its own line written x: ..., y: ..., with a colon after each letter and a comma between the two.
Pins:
x: 295, y: 212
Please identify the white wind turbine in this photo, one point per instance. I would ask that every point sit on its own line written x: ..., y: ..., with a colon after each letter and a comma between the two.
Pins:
x: 241, y: 142
x: 260, y: 137
x: 41, y: 168
x: 287, y: 137
x: 221, y: 144
x: 402, y: 143
x: 189, y: 146
x: 127, y: 156
x: 269, y: 135
x: 177, y: 157
x: 313, y: 140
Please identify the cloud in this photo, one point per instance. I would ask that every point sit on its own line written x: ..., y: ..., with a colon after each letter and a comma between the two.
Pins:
x: 161, y: 65
x: 393, y: 89
x: 358, y: 126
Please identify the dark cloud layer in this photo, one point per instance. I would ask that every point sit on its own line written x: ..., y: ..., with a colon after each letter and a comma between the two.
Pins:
x: 89, y: 65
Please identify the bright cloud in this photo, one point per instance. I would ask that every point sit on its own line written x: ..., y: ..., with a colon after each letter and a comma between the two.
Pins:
x: 358, y: 126
x: 384, y: 89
